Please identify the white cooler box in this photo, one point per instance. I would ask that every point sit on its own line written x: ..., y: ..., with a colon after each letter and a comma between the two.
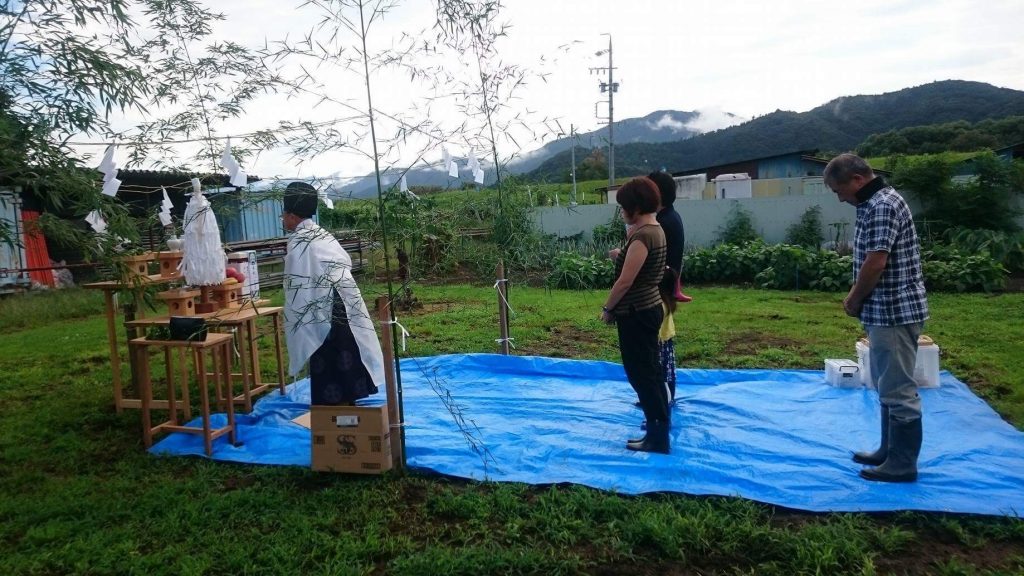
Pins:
x: 842, y: 373
x: 926, y: 369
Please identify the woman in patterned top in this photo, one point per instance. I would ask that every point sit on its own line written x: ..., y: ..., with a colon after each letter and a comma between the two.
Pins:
x: 634, y: 305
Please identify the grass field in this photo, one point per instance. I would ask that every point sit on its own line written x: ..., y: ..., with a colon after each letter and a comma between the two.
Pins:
x: 82, y: 497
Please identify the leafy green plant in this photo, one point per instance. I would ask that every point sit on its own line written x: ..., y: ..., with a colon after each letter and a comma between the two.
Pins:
x: 807, y: 231
x: 576, y: 272
x: 948, y: 270
x: 1007, y: 248
x: 739, y: 228
x: 614, y: 232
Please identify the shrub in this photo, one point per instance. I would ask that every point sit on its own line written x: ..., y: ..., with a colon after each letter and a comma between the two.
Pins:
x: 785, y: 267
x: 614, y: 232
x: 807, y: 232
x: 948, y: 270
x: 739, y: 228
x: 576, y: 272
x: 1006, y: 248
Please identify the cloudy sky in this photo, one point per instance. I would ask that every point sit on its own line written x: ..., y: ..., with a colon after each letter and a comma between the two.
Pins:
x: 744, y: 58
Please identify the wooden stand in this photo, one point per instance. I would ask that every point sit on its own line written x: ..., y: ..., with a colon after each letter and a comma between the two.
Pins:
x: 206, y: 304
x: 169, y: 262
x: 180, y: 302
x: 243, y: 320
x: 219, y: 346
x: 228, y: 296
x: 110, y: 290
x: 138, y: 265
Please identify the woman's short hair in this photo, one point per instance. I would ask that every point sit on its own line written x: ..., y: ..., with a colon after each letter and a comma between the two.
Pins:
x: 639, y: 196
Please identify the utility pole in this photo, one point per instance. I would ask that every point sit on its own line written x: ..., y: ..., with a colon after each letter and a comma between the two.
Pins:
x: 572, y: 140
x: 611, y: 87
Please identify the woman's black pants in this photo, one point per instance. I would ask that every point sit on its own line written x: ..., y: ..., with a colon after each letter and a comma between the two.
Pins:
x: 638, y: 342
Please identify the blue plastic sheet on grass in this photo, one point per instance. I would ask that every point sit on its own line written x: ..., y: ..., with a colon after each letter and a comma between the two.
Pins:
x: 782, y: 437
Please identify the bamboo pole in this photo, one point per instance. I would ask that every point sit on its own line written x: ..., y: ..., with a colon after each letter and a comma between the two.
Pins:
x: 502, y: 307
x: 394, y: 402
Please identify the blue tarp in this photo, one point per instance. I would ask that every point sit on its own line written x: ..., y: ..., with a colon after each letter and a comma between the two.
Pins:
x: 782, y: 437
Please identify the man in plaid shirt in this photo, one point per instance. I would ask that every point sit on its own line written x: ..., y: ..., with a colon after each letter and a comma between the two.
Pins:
x: 888, y: 297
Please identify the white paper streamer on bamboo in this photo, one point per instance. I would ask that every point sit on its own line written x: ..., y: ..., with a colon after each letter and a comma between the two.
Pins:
x: 96, y: 220
x: 165, y: 209
x: 449, y: 163
x: 203, y: 262
x: 473, y: 164
x: 237, y: 176
x: 403, y: 186
x: 322, y: 195
x: 109, y: 170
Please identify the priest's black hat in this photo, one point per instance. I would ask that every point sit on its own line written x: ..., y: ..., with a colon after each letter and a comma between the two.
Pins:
x: 300, y: 199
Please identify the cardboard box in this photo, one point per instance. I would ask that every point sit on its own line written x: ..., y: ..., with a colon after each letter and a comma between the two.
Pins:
x: 353, y: 439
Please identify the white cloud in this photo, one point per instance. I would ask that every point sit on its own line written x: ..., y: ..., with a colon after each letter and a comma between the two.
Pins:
x: 789, y: 54
x: 667, y: 121
x: 712, y: 118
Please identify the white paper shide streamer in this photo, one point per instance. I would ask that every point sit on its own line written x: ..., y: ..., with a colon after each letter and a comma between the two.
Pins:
x: 449, y: 163
x: 322, y: 195
x: 109, y: 170
x: 473, y: 165
x: 165, y: 209
x: 403, y: 187
x: 238, y: 177
x: 203, y: 262
x: 96, y: 220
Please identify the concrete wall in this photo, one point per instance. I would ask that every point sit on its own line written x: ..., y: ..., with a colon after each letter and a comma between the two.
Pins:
x: 702, y: 218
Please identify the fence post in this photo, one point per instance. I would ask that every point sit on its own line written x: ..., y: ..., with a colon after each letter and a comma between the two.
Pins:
x: 502, y: 307
x: 394, y: 402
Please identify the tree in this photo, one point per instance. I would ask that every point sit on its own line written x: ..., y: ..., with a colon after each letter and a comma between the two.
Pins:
x: 67, y: 65
x: 593, y: 167
x: 981, y: 201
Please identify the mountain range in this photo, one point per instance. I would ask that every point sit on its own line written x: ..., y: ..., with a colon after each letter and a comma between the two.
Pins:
x: 679, y: 140
x: 836, y: 126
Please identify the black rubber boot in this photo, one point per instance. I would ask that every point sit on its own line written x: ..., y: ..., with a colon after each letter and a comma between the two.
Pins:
x: 878, y: 456
x: 656, y: 439
x: 904, y: 448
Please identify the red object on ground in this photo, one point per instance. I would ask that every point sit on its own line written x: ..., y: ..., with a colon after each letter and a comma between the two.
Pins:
x: 36, y: 254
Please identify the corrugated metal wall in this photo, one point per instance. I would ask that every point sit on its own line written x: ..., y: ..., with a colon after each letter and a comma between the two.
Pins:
x: 249, y: 215
x: 11, y: 255
x: 261, y: 216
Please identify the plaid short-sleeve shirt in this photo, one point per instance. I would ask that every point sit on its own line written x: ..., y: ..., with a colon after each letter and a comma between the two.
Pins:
x: 885, y: 224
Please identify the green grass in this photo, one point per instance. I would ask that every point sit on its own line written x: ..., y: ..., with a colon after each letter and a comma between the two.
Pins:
x: 82, y: 497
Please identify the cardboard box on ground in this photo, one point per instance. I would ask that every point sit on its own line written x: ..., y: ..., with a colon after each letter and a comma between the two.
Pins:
x: 354, y: 439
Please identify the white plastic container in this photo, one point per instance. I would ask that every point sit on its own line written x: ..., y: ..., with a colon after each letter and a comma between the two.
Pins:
x: 926, y: 368
x: 864, y: 363
x: 245, y: 262
x: 842, y: 373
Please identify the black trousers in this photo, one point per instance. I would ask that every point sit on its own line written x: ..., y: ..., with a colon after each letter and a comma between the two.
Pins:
x: 336, y: 372
x: 638, y: 342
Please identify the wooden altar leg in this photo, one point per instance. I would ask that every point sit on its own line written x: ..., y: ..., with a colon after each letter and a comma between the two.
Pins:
x: 277, y: 352
x: 115, y: 359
